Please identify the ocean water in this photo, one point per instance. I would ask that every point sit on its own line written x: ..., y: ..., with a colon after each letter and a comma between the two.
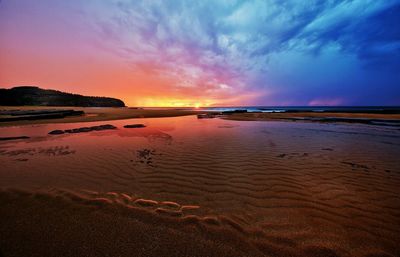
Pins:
x: 352, y: 109
x: 348, y: 109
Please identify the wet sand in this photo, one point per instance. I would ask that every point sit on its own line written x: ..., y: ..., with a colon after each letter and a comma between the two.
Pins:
x: 211, y: 187
x: 259, y: 116
x: 96, y: 114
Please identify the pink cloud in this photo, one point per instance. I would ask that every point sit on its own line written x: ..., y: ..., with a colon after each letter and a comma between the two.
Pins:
x: 326, y: 102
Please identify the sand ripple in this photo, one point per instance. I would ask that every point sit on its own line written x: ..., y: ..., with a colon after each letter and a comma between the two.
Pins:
x: 281, y: 189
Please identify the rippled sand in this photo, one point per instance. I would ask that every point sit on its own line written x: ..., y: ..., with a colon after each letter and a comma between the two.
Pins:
x: 211, y: 187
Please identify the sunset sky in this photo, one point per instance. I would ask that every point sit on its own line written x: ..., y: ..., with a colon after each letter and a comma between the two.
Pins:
x: 186, y: 53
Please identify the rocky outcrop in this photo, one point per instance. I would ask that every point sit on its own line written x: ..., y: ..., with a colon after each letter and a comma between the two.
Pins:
x: 13, y: 138
x: 28, y: 95
x: 82, y: 130
x: 135, y: 126
x: 17, y: 115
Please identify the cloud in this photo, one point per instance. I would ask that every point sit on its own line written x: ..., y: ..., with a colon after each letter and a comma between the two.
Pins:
x: 270, y: 50
x: 347, y: 13
x: 225, y: 42
x: 326, y: 102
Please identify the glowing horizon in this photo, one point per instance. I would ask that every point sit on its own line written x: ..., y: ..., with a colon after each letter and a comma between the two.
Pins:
x: 209, y: 53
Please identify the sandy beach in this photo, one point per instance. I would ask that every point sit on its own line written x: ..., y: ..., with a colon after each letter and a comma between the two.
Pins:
x: 183, y: 186
x: 96, y: 114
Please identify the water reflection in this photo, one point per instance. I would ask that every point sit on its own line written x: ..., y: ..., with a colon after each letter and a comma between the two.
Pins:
x: 186, y: 143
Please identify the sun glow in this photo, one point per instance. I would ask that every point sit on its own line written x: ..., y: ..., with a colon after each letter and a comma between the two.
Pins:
x: 174, y: 102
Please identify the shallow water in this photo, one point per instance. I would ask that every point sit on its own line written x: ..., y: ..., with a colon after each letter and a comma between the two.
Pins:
x: 289, y: 183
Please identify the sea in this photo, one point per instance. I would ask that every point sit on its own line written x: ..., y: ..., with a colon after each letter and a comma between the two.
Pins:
x: 346, y: 109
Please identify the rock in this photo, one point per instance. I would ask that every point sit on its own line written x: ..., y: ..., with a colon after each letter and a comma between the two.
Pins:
x: 206, y: 116
x: 13, y: 138
x: 17, y: 115
x: 83, y: 129
x: 95, y: 128
x: 107, y: 126
x: 135, y: 126
x: 56, y: 132
x: 75, y: 130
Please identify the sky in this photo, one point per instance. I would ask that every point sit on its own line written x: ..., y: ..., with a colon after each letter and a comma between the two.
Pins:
x: 206, y: 53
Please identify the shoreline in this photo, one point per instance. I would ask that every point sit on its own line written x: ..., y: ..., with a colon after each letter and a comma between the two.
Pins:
x: 325, y: 117
x: 93, y: 114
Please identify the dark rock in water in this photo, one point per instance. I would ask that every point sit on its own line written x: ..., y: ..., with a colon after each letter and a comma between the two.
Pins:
x: 83, y: 129
x: 107, y: 126
x: 135, y: 126
x: 56, y: 132
x: 206, y: 116
x: 94, y: 128
x: 13, y: 138
x: 76, y: 130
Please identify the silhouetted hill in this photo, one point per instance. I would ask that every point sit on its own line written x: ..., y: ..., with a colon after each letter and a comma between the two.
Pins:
x: 28, y: 95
